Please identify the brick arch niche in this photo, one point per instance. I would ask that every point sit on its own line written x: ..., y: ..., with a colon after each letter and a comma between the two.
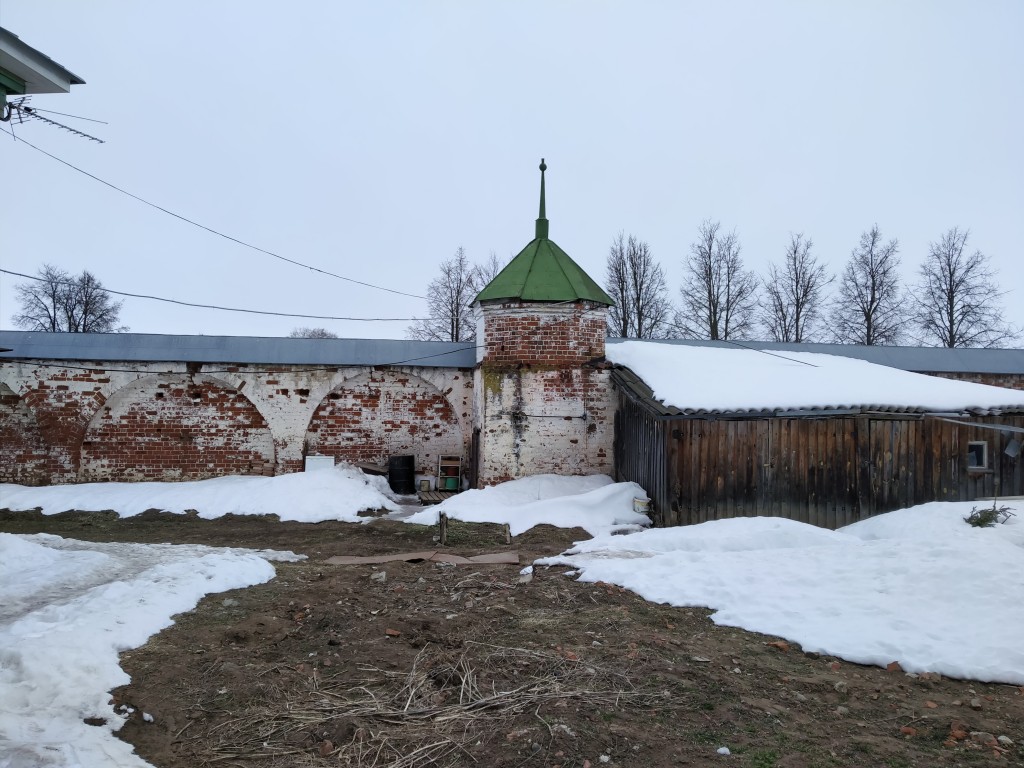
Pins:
x: 379, y: 414
x: 23, y: 452
x: 176, y: 427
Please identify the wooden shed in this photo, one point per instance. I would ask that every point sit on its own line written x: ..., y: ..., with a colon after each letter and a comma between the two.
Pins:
x: 826, y: 465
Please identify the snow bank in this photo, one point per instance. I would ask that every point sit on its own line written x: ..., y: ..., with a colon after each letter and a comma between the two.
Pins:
x: 68, y: 608
x: 307, y: 497
x: 594, y: 503
x: 918, y: 586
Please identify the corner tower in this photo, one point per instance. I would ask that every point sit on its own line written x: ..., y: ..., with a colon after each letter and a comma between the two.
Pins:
x: 543, y: 395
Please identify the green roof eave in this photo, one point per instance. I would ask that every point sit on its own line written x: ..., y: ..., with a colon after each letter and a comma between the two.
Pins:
x: 543, y: 272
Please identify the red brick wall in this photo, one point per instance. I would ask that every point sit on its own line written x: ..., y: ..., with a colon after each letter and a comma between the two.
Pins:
x: 160, y: 429
x: 24, y: 457
x: 516, y: 335
x: 60, y: 407
x: 383, y: 414
x: 144, y: 422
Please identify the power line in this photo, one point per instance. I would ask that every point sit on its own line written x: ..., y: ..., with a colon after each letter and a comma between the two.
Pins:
x: 751, y: 349
x: 770, y: 354
x: 210, y: 229
x: 213, y: 306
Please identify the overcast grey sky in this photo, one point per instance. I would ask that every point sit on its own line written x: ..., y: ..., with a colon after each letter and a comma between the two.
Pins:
x: 374, y: 139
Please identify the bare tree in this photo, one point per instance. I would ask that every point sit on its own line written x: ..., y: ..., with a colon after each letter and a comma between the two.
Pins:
x: 450, y: 317
x: 91, y: 309
x: 793, y: 293
x: 636, y: 283
x: 957, y: 300
x: 57, y: 302
x: 42, y: 302
x: 869, y: 307
x: 312, y: 333
x: 484, y: 273
x: 719, y: 296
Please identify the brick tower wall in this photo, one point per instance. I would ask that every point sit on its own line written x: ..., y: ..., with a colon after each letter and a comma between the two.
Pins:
x: 542, y: 391
x: 543, y: 335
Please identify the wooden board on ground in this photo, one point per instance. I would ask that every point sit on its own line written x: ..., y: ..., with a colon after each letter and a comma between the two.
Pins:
x: 434, y: 497
x: 372, y: 469
x: 496, y: 558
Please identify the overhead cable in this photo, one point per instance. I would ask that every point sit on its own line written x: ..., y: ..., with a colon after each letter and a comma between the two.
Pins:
x: 751, y: 349
x: 210, y: 229
x: 214, y: 306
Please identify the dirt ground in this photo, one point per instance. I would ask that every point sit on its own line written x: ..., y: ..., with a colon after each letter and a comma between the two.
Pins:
x: 426, y: 664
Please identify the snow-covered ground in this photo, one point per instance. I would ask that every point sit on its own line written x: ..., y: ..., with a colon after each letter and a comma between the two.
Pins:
x: 594, y: 503
x: 307, y: 497
x: 67, y: 609
x: 917, y: 586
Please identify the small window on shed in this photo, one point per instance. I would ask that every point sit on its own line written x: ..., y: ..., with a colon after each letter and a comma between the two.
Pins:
x: 977, y: 455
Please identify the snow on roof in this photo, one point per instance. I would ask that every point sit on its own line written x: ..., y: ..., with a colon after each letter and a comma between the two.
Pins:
x: 919, y: 359
x: 714, y: 380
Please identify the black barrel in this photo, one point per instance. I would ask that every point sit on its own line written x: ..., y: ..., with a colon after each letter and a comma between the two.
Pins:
x: 402, y: 474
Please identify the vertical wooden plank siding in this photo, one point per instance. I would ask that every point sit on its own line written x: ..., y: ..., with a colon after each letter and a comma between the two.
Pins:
x: 671, y: 487
x: 829, y: 471
x: 641, y: 456
x: 768, y: 469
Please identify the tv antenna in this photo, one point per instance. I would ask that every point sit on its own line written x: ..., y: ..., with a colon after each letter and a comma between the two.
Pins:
x: 19, y: 111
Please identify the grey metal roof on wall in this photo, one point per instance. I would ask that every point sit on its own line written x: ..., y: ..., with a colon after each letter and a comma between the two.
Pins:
x: 145, y: 347
x: 917, y: 359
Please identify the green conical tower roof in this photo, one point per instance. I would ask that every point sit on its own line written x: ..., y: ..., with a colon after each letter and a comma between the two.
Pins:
x: 543, y: 272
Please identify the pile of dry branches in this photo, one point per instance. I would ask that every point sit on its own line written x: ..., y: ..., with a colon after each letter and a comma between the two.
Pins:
x: 433, y: 714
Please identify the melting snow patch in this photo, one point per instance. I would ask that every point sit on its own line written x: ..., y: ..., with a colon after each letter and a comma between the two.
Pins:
x: 340, y: 493
x: 918, y: 586
x: 67, y: 609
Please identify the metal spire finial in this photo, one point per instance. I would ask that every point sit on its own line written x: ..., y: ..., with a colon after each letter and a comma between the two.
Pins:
x: 542, y: 221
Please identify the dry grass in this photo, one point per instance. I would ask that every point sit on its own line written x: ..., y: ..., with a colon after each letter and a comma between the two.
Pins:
x: 429, y: 715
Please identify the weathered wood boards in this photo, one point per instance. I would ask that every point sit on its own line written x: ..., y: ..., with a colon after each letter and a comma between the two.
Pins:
x: 827, y: 470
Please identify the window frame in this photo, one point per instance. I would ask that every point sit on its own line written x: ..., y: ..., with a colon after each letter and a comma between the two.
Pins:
x: 983, y: 466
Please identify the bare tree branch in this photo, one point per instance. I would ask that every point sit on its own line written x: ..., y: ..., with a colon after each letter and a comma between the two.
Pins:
x: 869, y: 307
x: 60, y: 303
x: 449, y: 296
x: 793, y: 294
x: 719, y: 296
x: 42, y: 302
x: 616, y: 283
x: 636, y: 283
x: 484, y: 273
x: 957, y: 300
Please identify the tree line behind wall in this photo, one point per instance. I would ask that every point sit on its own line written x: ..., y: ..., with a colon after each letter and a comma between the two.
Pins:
x: 955, y: 302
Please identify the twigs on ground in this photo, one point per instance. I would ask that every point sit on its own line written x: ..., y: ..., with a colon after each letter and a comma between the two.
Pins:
x: 430, y: 715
